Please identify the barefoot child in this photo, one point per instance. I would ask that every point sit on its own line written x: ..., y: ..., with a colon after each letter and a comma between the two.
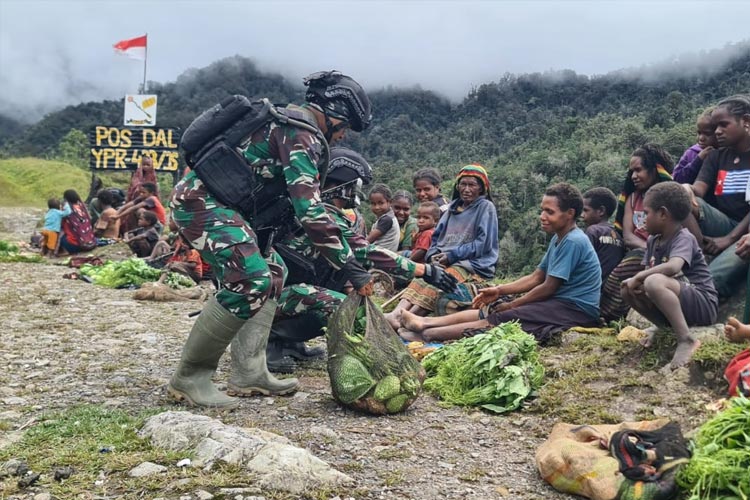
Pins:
x: 598, y: 206
x: 676, y: 288
x: 428, y: 216
x: 385, y: 232
x: 143, y: 239
x: 561, y: 293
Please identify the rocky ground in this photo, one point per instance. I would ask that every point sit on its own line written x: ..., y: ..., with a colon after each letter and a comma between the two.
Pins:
x: 66, y: 343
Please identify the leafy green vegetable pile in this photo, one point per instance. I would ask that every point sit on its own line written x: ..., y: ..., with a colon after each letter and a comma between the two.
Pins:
x: 10, y: 253
x: 721, y: 456
x: 496, y: 370
x: 133, y: 271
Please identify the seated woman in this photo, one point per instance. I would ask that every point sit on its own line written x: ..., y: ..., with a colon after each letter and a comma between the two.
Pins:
x: 77, y: 233
x: 465, y: 242
x: 561, y: 293
x: 649, y: 165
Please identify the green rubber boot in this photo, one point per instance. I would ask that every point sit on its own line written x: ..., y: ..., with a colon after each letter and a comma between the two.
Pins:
x: 211, y: 334
x: 250, y: 374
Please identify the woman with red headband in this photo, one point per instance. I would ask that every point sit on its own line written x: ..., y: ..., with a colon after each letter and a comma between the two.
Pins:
x: 465, y: 242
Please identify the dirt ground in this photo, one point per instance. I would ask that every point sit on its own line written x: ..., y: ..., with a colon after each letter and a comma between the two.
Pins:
x: 65, y: 343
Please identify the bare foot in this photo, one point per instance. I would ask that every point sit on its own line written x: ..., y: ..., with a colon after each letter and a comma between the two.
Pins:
x: 409, y: 335
x: 412, y: 322
x: 648, y: 340
x: 684, y: 353
x: 394, y: 319
x: 735, y: 331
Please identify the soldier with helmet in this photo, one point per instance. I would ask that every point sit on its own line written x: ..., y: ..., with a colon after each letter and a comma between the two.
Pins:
x: 286, y: 152
x: 314, y: 288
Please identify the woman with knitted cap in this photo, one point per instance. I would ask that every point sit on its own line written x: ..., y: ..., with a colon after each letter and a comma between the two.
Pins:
x: 465, y: 242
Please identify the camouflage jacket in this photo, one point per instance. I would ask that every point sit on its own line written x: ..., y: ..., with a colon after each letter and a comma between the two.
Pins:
x: 278, y: 150
x: 367, y: 254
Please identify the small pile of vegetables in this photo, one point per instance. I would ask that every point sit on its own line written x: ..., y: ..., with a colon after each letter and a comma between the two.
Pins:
x: 721, y: 456
x: 10, y: 253
x: 130, y: 272
x: 495, y: 370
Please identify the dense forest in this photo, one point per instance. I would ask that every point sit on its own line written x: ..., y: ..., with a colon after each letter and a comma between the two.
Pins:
x: 528, y: 130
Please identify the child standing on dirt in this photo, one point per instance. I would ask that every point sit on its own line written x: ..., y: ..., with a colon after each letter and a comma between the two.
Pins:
x: 676, y: 288
x: 52, y: 224
x: 428, y: 216
x: 686, y: 170
x: 598, y: 206
x: 427, y: 186
x: 385, y: 232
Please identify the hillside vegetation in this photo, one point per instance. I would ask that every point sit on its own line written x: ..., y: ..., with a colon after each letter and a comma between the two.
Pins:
x: 528, y: 130
x: 30, y: 182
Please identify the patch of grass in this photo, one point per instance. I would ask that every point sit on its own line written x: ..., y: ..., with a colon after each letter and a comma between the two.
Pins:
x: 75, y: 437
x: 28, y: 182
x: 393, y: 478
x: 715, y: 353
x: 351, y: 467
x: 571, y: 391
x: 5, y: 425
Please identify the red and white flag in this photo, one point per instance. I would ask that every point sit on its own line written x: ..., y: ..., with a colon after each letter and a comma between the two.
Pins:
x: 135, y: 48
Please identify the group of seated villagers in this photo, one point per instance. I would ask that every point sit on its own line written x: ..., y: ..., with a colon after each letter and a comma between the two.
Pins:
x: 669, y: 222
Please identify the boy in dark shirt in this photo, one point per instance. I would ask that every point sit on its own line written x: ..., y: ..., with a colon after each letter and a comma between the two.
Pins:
x: 598, y: 206
x: 676, y: 288
x: 142, y: 240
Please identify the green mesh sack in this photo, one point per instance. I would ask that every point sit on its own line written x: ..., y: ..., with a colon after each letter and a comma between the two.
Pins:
x: 369, y: 366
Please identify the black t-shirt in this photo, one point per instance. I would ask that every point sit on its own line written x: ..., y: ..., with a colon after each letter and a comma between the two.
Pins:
x: 608, y: 246
x: 726, y: 173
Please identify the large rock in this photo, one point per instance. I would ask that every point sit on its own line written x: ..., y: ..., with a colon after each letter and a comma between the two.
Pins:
x: 277, y: 463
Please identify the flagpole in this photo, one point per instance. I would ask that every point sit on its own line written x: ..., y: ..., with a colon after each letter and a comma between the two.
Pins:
x: 145, y: 59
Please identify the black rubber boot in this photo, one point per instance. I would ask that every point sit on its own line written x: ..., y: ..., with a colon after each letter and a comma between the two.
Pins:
x: 276, y: 360
x: 292, y: 333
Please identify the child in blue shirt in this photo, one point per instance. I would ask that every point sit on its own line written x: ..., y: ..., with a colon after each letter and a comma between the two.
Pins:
x: 52, y: 224
x: 561, y: 293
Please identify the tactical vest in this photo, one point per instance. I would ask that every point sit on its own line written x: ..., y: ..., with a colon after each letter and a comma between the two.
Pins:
x: 213, y: 145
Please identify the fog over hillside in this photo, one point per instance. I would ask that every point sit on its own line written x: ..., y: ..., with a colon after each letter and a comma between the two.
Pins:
x: 55, y: 54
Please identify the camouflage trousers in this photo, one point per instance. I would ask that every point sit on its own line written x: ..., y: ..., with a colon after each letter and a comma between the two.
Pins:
x: 226, y: 241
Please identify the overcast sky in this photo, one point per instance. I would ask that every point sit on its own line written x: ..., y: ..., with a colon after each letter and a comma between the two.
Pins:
x: 59, y: 52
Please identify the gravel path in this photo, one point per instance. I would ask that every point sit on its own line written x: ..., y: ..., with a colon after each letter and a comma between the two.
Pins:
x: 66, y: 343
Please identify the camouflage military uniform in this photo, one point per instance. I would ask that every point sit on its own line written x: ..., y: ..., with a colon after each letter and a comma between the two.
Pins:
x: 369, y: 255
x: 225, y: 239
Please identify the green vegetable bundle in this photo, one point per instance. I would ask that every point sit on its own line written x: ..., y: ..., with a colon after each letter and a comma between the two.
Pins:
x: 721, y: 456
x: 10, y: 253
x: 133, y: 271
x: 369, y: 367
x: 496, y: 370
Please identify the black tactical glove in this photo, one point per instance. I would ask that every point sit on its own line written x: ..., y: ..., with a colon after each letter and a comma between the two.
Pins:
x: 356, y: 273
x: 436, y: 276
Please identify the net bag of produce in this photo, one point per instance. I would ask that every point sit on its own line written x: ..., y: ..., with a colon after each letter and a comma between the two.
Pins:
x: 369, y: 366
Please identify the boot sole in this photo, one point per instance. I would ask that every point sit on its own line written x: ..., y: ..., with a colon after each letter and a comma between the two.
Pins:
x: 182, y: 397
x: 244, y: 392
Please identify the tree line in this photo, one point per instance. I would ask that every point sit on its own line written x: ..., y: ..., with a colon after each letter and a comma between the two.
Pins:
x: 528, y: 130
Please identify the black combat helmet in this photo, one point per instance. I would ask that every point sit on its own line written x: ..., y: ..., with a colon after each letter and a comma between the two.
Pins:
x: 347, y: 172
x: 340, y: 97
